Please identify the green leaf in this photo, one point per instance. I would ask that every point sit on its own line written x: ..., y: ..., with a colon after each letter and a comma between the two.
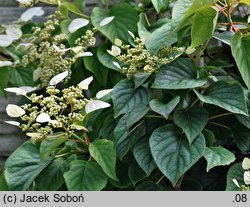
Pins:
x: 125, y: 97
x: 143, y: 156
x: 4, y: 77
x: 160, y: 4
x: 203, y: 25
x: 209, y: 136
x: 148, y: 186
x: 23, y: 166
x: 21, y: 76
x: 85, y: 176
x: 50, y: 144
x: 104, y: 153
x: 180, y: 74
x: 51, y: 178
x: 192, y: 121
x: 225, y: 95
x: 235, y: 172
x: 242, y: 137
x: 125, y: 19
x: 105, y: 58
x: 100, y: 72
x: 173, y: 154
x: 217, y: 156
x: 136, y: 115
x: 164, y: 109
x: 224, y: 37
x: 3, y: 183
x: 240, y: 45
x: 136, y: 174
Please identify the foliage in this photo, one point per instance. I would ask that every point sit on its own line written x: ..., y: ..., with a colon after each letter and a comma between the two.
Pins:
x: 168, y: 108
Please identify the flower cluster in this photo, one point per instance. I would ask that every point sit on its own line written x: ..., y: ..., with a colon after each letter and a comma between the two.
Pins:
x: 57, y: 110
x: 27, y: 3
x: 246, y: 176
x: 138, y: 59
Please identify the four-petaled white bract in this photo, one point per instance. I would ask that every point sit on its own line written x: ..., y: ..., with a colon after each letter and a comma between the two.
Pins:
x: 58, y: 49
x: 247, y: 177
x: 43, y: 118
x: 84, y: 54
x: 30, y: 13
x: 58, y: 78
x: 246, y: 163
x: 103, y: 93
x: 5, y: 63
x: 106, y: 21
x: 77, y: 24
x: 115, y: 51
x: 95, y: 105
x: 14, y: 123
x: 236, y: 183
x: 17, y: 91
x: 5, y: 40
x: 84, y: 85
x: 14, y: 33
x: 14, y: 110
x: 34, y: 134
x: 117, y: 65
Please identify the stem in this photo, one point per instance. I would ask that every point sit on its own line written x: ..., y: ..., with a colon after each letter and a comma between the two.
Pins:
x: 178, y: 185
x: 87, y: 141
x: 219, y: 115
x: 154, y: 116
x: 197, y: 58
x: 77, y: 137
x: 62, y: 155
x: 161, y: 178
x: 195, y: 101
x: 218, y: 124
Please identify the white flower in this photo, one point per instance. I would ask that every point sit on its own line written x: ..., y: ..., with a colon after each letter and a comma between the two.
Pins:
x: 37, y: 74
x: 95, y: 105
x: 236, y: 183
x: 59, y: 49
x: 28, y: 89
x: 58, y: 78
x: 34, y: 135
x: 43, y: 118
x: 117, y: 65
x: 247, y: 177
x: 103, y: 93
x: 5, y: 63
x: 115, y: 51
x: 77, y: 24
x: 17, y: 91
x: 24, y: 1
x: 14, y: 33
x: 106, y: 21
x: 84, y: 54
x: 15, y: 123
x: 131, y: 34
x: 84, y: 85
x: 30, y: 13
x: 77, y: 49
x: 246, y: 163
x: 14, y: 110
x: 5, y: 41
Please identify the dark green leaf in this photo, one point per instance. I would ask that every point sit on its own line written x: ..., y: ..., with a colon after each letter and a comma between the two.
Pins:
x: 180, y: 74
x: 242, y: 137
x: 225, y: 95
x: 3, y: 184
x: 4, y: 77
x: 235, y: 172
x: 21, y: 76
x: 209, y: 136
x: 85, y: 176
x: 172, y: 152
x: 136, y: 174
x: 192, y: 121
x: 148, y: 186
x: 136, y: 115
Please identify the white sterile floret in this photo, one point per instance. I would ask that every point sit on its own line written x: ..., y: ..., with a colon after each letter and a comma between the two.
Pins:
x: 34, y: 135
x: 131, y: 34
x: 58, y: 49
x: 115, y: 51
x: 103, y: 93
x: 84, y: 54
x: 37, y: 74
x: 236, y: 183
x: 5, y: 63
x: 17, y: 91
x: 30, y: 13
x: 95, y: 105
x: 14, y: 33
x: 84, y: 85
x: 43, y: 118
x: 14, y: 123
x: 28, y: 89
x: 246, y: 163
x: 14, y: 110
x: 58, y: 78
x: 77, y: 24
x: 106, y: 21
x: 247, y: 177
x: 117, y: 65
x: 5, y: 40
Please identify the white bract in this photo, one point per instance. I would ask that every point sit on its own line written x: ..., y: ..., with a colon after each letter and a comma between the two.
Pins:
x: 14, y: 123
x: 43, y: 118
x: 84, y: 85
x: 14, y: 110
x: 14, y: 33
x: 58, y: 49
x: 115, y: 51
x: 17, y: 91
x: 247, y: 177
x: 106, y: 21
x: 236, y: 183
x: 246, y: 163
x: 77, y: 24
x: 34, y: 135
x: 30, y: 13
x: 5, y: 63
x: 28, y: 89
x: 117, y: 65
x: 37, y: 74
x: 5, y: 40
x: 95, y: 105
x: 58, y: 78
x: 131, y: 34
x: 84, y: 54
x: 103, y: 93
x: 79, y: 127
